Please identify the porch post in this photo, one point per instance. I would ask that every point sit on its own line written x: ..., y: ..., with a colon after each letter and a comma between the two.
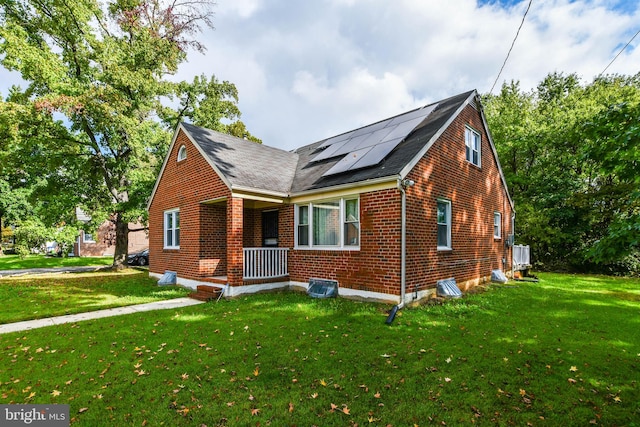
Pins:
x: 234, y: 240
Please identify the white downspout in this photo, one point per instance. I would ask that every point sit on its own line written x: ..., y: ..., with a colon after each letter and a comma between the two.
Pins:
x: 402, y: 186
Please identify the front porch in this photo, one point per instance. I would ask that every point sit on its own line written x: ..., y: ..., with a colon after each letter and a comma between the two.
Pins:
x: 260, y: 265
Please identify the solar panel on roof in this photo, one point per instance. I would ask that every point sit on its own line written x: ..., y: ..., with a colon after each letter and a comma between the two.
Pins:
x: 368, y: 145
x: 335, y: 139
x: 347, y: 161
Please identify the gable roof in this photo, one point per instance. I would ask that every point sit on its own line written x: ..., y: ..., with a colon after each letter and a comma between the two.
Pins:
x: 311, y: 174
x: 242, y: 164
x: 392, y: 147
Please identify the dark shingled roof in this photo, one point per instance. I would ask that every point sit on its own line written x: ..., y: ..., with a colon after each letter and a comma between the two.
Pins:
x: 245, y: 163
x: 309, y: 174
x: 249, y: 165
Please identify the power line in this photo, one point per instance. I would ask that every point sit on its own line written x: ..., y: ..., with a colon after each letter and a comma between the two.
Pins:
x: 621, y: 50
x: 511, y: 48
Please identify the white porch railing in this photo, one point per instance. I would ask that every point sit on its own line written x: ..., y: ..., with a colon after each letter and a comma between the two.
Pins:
x: 265, y: 263
x: 521, y: 256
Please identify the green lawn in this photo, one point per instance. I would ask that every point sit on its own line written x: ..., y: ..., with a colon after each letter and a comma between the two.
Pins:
x: 14, y: 262
x: 38, y: 296
x: 563, y: 352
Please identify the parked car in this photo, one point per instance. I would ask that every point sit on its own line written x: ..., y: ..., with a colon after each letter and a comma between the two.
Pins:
x: 139, y: 258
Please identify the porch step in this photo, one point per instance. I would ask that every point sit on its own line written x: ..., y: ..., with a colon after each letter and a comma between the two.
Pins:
x: 206, y: 293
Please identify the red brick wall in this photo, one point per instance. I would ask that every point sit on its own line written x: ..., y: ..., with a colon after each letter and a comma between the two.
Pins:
x: 105, y: 241
x: 475, y: 194
x: 376, y: 266
x: 184, y: 185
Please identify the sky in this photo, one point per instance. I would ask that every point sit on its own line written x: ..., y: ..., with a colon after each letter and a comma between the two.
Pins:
x: 308, y: 70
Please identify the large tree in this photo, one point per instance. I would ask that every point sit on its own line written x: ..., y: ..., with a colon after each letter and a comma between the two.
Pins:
x: 91, y: 118
x: 567, y: 151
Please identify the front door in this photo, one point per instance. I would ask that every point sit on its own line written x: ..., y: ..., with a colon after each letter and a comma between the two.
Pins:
x: 270, y: 228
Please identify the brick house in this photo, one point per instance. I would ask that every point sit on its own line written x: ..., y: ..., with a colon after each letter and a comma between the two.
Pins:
x: 103, y: 241
x: 385, y: 210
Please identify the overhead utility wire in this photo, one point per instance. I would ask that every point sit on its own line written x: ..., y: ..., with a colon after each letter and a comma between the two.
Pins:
x: 511, y: 48
x: 621, y: 50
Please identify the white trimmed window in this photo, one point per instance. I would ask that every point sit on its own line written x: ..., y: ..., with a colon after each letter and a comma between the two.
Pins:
x: 182, y: 153
x: 497, y: 225
x: 472, y: 146
x: 87, y: 237
x: 444, y: 224
x: 328, y: 224
x: 172, y: 229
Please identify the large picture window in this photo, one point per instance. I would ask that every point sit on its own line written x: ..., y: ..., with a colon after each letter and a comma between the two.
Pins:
x: 444, y: 224
x: 172, y: 229
x: 331, y: 223
x: 472, y: 146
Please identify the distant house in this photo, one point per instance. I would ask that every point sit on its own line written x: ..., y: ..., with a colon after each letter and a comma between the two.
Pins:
x: 103, y: 241
x: 386, y: 210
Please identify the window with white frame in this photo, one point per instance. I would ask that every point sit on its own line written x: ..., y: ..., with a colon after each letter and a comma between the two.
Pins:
x: 333, y: 223
x: 182, y: 153
x: 444, y: 224
x: 87, y: 237
x: 472, y: 146
x: 172, y: 229
x: 497, y: 225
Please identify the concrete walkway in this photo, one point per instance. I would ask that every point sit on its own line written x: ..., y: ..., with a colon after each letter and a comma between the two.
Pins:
x: 72, y: 318
x: 24, y: 271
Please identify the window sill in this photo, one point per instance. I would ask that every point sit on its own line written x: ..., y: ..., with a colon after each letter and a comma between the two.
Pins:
x: 444, y: 249
x: 171, y: 248
x: 327, y: 248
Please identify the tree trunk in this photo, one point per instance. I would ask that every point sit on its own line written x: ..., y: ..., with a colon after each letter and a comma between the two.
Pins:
x: 122, y: 243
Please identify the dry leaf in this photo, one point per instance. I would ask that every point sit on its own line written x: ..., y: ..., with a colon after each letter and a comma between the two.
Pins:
x: 256, y: 371
x: 55, y: 393
x: 573, y: 368
x: 345, y: 410
x: 184, y: 376
x: 377, y: 395
x: 323, y: 382
x: 255, y: 411
x: 82, y: 410
x: 290, y: 407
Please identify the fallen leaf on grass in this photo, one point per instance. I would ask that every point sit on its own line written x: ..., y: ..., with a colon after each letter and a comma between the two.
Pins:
x: 256, y: 371
x: 573, y: 368
x: 55, y: 393
x: 255, y: 411
x: 572, y: 381
x: 82, y: 410
x: 290, y: 407
x: 346, y: 411
x: 323, y: 382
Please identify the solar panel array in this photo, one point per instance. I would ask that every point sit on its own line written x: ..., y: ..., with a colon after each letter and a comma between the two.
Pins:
x: 369, y: 145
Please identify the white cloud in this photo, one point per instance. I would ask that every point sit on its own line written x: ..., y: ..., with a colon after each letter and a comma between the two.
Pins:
x: 309, y: 70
